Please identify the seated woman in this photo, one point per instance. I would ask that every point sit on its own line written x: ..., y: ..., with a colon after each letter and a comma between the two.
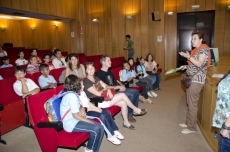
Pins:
x: 21, y: 60
x: 143, y: 76
x: 35, y: 53
x: 119, y: 99
x: 152, y: 68
x: 33, y: 67
x: 46, y: 60
x: 110, y: 127
x: 75, y: 120
x: 59, y: 60
x: 74, y: 67
x: 128, y: 76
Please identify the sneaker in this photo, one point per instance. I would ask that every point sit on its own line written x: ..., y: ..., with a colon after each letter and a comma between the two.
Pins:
x: 183, y: 125
x: 153, y: 94
x: 149, y: 94
x: 114, y: 140
x: 88, y: 150
x: 187, y: 131
x: 118, y: 135
x: 141, y: 98
x: 149, y: 101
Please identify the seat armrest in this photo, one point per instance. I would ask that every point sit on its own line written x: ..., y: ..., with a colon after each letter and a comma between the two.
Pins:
x: 56, y: 125
x: 1, y: 107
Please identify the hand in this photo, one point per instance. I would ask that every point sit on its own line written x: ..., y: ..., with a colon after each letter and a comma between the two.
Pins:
x: 125, y: 48
x: 183, y: 67
x: 22, y: 79
x: 225, y: 133
x: 130, y: 79
x: 185, y: 54
x: 24, y: 95
x: 122, y: 88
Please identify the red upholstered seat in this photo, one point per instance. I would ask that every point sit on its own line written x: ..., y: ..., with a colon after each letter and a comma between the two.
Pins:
x: 114, y: 63
x: 48, y: 138
x: 56, y: 73
x: 59, y: 88
x: 7, y: 72
x: 90, y: 58
x: 36, y: 76
x: 114, y: 110
x: 82, y: 60
x: 81, y: 54
x: 97, y: 65
x: 64, y: 54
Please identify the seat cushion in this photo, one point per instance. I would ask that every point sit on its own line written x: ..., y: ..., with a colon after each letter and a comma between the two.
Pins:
x: 114, y: 110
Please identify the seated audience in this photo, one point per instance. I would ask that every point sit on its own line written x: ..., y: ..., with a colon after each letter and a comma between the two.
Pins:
x: 24, y: 86
x: 119, y: 99
x: 33, y: 67
x: 34, y: 52
x: 52, y: 55
x: 75, y: 119
x: 21, y: 60
x: 152, y: 68
x: 143, y: 76
x: 2, y: 52
x: 1, y: 77
x: 6, y: 62
x: 128, y: 77
x: 45, y: 80
x: 46, y: 60
x: 108, y: 78
x: 74, y: 67
x: 58, y: 61
x: 110, y: 127
x: 131, y: 63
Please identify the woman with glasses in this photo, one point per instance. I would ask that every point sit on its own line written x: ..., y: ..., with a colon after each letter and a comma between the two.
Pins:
x: 46, y: 60
x: 33, y: 67
x: 59, y: 61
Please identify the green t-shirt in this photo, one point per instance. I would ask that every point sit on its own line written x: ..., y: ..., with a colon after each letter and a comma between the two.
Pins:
x: 130, y: 44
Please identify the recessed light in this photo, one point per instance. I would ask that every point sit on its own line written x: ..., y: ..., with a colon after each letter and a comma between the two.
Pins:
x: 129, y: 17
x: 95, y: 20
x: 170, y: 13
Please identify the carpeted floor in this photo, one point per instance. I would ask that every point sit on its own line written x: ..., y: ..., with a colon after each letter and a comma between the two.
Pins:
x: 158, y: 131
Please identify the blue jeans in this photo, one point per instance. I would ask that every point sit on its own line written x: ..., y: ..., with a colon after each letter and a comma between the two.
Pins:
x: 224, y: 144
x: 133, y: 96
x: 96, y: 132
x: 106, y: 119
x: 158, y: 79
x: 130, y: 54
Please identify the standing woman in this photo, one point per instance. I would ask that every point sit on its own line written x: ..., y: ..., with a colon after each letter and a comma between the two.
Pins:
x: 198, y: 62
x: 221, y: 117
x: 74, y: 67
x: 151, y: 68
x: 75, y: 116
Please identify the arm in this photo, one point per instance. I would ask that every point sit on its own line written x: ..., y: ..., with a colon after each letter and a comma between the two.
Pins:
x: 94, y: 91
x: 83, y: 70
x: 224, y: 132
x: 67, y: 71
x: 81, y: 118
x: 196, y: 62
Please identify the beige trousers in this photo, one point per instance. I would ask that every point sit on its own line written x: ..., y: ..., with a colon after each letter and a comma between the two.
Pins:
x: 193, y: 94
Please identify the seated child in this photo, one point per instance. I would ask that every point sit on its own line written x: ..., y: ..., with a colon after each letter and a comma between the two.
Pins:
x: 21, y: 60
x: 34, y: 52
x: 6, y: 62
x: 46, y: 60
x: 45, y: 80
x: 33, y: 67
x: 24, y: 86
x: 1, y: 77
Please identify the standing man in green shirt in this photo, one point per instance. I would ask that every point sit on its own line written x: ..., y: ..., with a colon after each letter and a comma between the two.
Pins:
x: 130, y: 46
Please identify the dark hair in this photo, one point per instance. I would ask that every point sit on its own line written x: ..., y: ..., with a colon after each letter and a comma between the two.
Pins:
x: 31, y: 51
x: 124, y: 62
x: 67, y: 59
x: 200, y: 35
x: 43, y: 66
x: 103, y: 57
x: 5, y: 58
x: 72, y: 83
x: 44, y: 56
x: 87, y: 64
x: 128, y: 36
x: 32, y: 56
x: 19, y: 69
x: 138, y: 60
x: 147, y: 56
x: 19, y: 52
x: 55, y: 51
x: 70, y: 64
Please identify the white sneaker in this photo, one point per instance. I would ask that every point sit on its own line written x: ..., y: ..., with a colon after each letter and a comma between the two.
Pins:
x: 187, y: 131
x: 88, y: 150
x: 118, y: 135
x: 114, y: 140
x: 153, y: 94
x: 183, y: 125
x: 149, y: 94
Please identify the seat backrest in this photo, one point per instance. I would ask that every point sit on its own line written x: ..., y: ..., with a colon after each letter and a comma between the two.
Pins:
x: 90, y: 58
x: 97, y: 65
x: 82, y: 60
x: 7, y: 72
x: 36, y: 76
x: 35, y: 104
x: 121, y: 59
x: 115, y: 72
x: 114, y: 63
x: 64, y: 53
x: 57, y: 73
x: 59, y: 88
x: 81, y: 54
x: 30, y: 76
x: 7, y: 94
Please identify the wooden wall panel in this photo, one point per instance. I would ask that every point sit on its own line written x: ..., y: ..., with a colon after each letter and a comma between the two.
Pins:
x: 6, y: 3
x: 16, y: 4
x: 180, y: 5
x: 202, y: 4
x: 33, y: 6
x: 25, y: 5
x: 53, y: 8
x: 210, y: 4
x: 227, y: 31
x: 40, y: 6
x: 188, y: 5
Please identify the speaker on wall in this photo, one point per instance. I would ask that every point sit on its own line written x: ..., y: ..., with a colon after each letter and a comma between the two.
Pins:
x: 156, y: 16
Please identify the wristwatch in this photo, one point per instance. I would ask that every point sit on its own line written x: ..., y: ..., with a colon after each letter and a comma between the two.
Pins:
x: 225, y: 127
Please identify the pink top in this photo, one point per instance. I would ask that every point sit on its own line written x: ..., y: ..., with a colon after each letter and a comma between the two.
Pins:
x: 32, y: 68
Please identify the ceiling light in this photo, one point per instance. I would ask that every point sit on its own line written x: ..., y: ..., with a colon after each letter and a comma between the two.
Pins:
x: 55, y: 25
x: 129, y: 17
x: 95, y: 20
x: 170, y: 13
x: 13, y: 17
x: 3, y: 28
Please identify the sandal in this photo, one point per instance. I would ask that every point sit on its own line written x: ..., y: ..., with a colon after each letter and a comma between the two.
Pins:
x: 131, y: 127
x: 143, y: 112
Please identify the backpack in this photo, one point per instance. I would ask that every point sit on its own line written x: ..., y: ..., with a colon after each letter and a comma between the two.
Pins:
x: 52, y: 107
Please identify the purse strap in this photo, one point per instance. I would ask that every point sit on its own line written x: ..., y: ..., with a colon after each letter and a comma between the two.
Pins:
x: 201, y: 68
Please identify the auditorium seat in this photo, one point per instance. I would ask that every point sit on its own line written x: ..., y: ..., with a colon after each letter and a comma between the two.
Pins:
x: 36, y: 76
x: 59, y: 88
x: 90, y: 58
x: 82, y: 60
x: 81, y: 54
x: 97, y: 65
x: 114, y: 63
x: 56, y: 73
x: 7, y: 72
x: 64, y: 53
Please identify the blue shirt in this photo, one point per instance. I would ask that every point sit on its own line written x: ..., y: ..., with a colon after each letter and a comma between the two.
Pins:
x: 6, y: 65
x: 141, y: 70
x: 43, y: 81
x: 127, y: 74
x: 222, y: 111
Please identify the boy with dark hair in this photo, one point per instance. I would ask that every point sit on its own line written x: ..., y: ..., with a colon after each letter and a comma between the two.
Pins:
x: 45, y: 80
x: 24, y: 86
x: 6, y: 62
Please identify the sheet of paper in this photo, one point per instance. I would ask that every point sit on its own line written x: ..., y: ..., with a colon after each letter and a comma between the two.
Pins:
x: 217, y: 75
